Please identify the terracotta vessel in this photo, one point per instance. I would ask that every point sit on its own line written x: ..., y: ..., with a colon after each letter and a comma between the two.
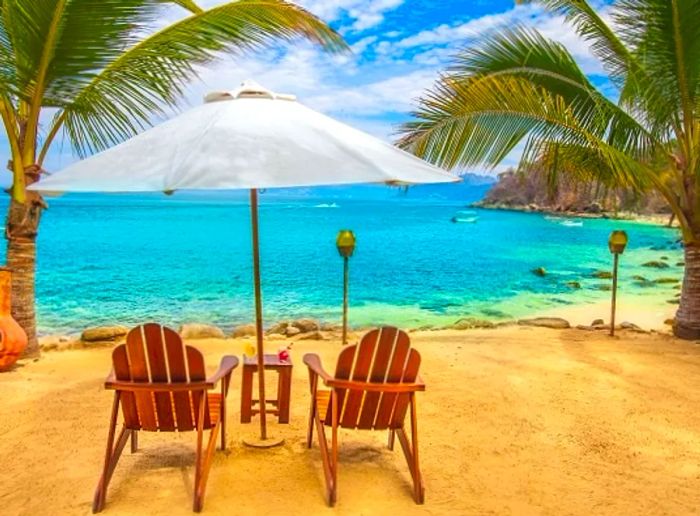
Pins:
x: 13, y: 340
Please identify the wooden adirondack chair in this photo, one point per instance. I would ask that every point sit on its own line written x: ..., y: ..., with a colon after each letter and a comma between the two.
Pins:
x: 374, y: 386
x: 161, y: 386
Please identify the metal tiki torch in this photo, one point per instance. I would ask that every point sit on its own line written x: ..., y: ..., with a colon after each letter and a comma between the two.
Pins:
x: 346, y: 246
x: 616, y: 243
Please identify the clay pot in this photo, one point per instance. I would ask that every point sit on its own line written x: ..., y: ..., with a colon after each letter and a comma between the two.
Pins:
x: 13, y: 340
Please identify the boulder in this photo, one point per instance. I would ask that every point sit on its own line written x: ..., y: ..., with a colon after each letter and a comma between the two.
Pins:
x: 306, y: 325
x: 655, y: 264
x: 598, y: 322
x: 469, y: 323
x: 662, y: 281
x: 104, y: 334
x: 58, y: 342
x: 291, y: 331
x: 573, y: 284
x: 556, y: 323
x: 243, y: 330
x: 313, y: 335
x: 279, y: 328
x: 602, y: 274
x: 539, y: 271
x: 200, y: 331
x: 631, y: 327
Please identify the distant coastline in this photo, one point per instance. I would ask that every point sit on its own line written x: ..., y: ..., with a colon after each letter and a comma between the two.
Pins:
x: 659, y: 219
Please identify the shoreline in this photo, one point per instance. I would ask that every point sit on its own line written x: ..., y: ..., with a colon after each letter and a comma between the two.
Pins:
x: 657, y: 219
x: 647, y: 315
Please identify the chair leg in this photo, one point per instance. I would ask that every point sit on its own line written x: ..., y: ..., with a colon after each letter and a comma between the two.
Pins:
x: 313, y: 382
x: 222, y: 417
x: 112, y: 454
x: 392, y: 435
x: 134, y: 441
x: 411, y: 453
x: 329, y: 457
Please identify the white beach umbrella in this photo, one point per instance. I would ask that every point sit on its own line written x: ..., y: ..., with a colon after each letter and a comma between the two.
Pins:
x: 250, y: 138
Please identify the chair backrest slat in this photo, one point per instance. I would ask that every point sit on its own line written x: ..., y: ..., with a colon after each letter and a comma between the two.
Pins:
x: 120, y: 362
x: 153, y: 334
x: 360, y: 372
x: 342, y: 371
x: 138, y: 365
x: 394, y: 375
x: 195, y: 361
x: 410, y: 374
x: 383, y: 356
x: 384, y: 349
x: 156, y: 354
x: 178, y: 374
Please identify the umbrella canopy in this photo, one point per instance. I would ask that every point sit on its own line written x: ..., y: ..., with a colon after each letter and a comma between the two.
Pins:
x: 249, y: 138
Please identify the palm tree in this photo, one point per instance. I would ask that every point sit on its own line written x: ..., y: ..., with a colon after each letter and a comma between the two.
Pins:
x: 97, y: 71
x: 518, y: 87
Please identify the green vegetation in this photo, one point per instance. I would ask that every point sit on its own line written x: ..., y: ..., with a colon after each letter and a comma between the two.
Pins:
x: 99, y: 71
x: 518, y: 87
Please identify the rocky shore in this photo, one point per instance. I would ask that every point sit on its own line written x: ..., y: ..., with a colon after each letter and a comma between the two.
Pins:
x: 307, y: 329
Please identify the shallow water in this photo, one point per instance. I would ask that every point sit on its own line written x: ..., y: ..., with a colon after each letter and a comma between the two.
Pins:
x: 127, y: 259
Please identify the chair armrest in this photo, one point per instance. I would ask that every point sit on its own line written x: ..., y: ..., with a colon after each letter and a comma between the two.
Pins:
x: 228, y: 364
x: 313, y: 362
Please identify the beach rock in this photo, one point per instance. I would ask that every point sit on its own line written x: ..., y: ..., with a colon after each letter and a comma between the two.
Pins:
x: 469, y: 323
x: 602, y: 274
x: 594, y: 207
x: 546, y: 322
x: 604, y: 287
x: 664, y: 258
x: 662, y: 281
x: 654, y: 264
x: 637, y: 277
x: 539, y: 271
x: 573, y: 284
x: 243, y: 330
x: 331, y: 327
x: 279, y: 328
x: 680, y: 264
x: 104, y: 334
x: 598, y: 322
x: 306, y: 325
x: 58, y: 342
x: 313, y: 335
x: 200, y: 331
x: 631, y: 327
x: 674, y: 301
x: 291, y: 331
x: 670, y: 322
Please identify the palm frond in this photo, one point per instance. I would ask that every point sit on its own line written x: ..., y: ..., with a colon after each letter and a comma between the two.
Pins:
x: 151, y: 75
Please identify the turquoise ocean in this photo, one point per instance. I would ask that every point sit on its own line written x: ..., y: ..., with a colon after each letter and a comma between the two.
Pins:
x: 108, y: 259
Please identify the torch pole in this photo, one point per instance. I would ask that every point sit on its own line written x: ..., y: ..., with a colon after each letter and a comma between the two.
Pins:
x: 616, y: 258
x: 346, y: 268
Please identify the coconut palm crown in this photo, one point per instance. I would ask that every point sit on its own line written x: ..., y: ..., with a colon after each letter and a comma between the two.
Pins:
x: 518, y: 87
x: 98, y: 71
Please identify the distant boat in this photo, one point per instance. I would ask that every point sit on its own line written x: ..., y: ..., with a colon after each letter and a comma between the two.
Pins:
x: 464, y: 220
x: 572, y: 223
x: 325, y: 205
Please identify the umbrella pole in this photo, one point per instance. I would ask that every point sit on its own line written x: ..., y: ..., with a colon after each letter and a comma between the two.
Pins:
x: 265, y: 441
x: 258, y: 312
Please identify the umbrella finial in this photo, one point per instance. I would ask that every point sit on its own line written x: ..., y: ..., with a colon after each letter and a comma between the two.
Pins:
x: 248, y: 89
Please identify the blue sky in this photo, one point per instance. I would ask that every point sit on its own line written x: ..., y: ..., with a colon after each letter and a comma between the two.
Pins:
x: 398, y: 49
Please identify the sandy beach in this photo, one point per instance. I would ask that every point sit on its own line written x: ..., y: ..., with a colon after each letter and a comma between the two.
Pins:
x: 514, y: 421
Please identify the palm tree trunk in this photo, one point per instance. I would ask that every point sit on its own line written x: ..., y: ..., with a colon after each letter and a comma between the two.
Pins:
x: 21, y: 230
x: 687, y: 325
